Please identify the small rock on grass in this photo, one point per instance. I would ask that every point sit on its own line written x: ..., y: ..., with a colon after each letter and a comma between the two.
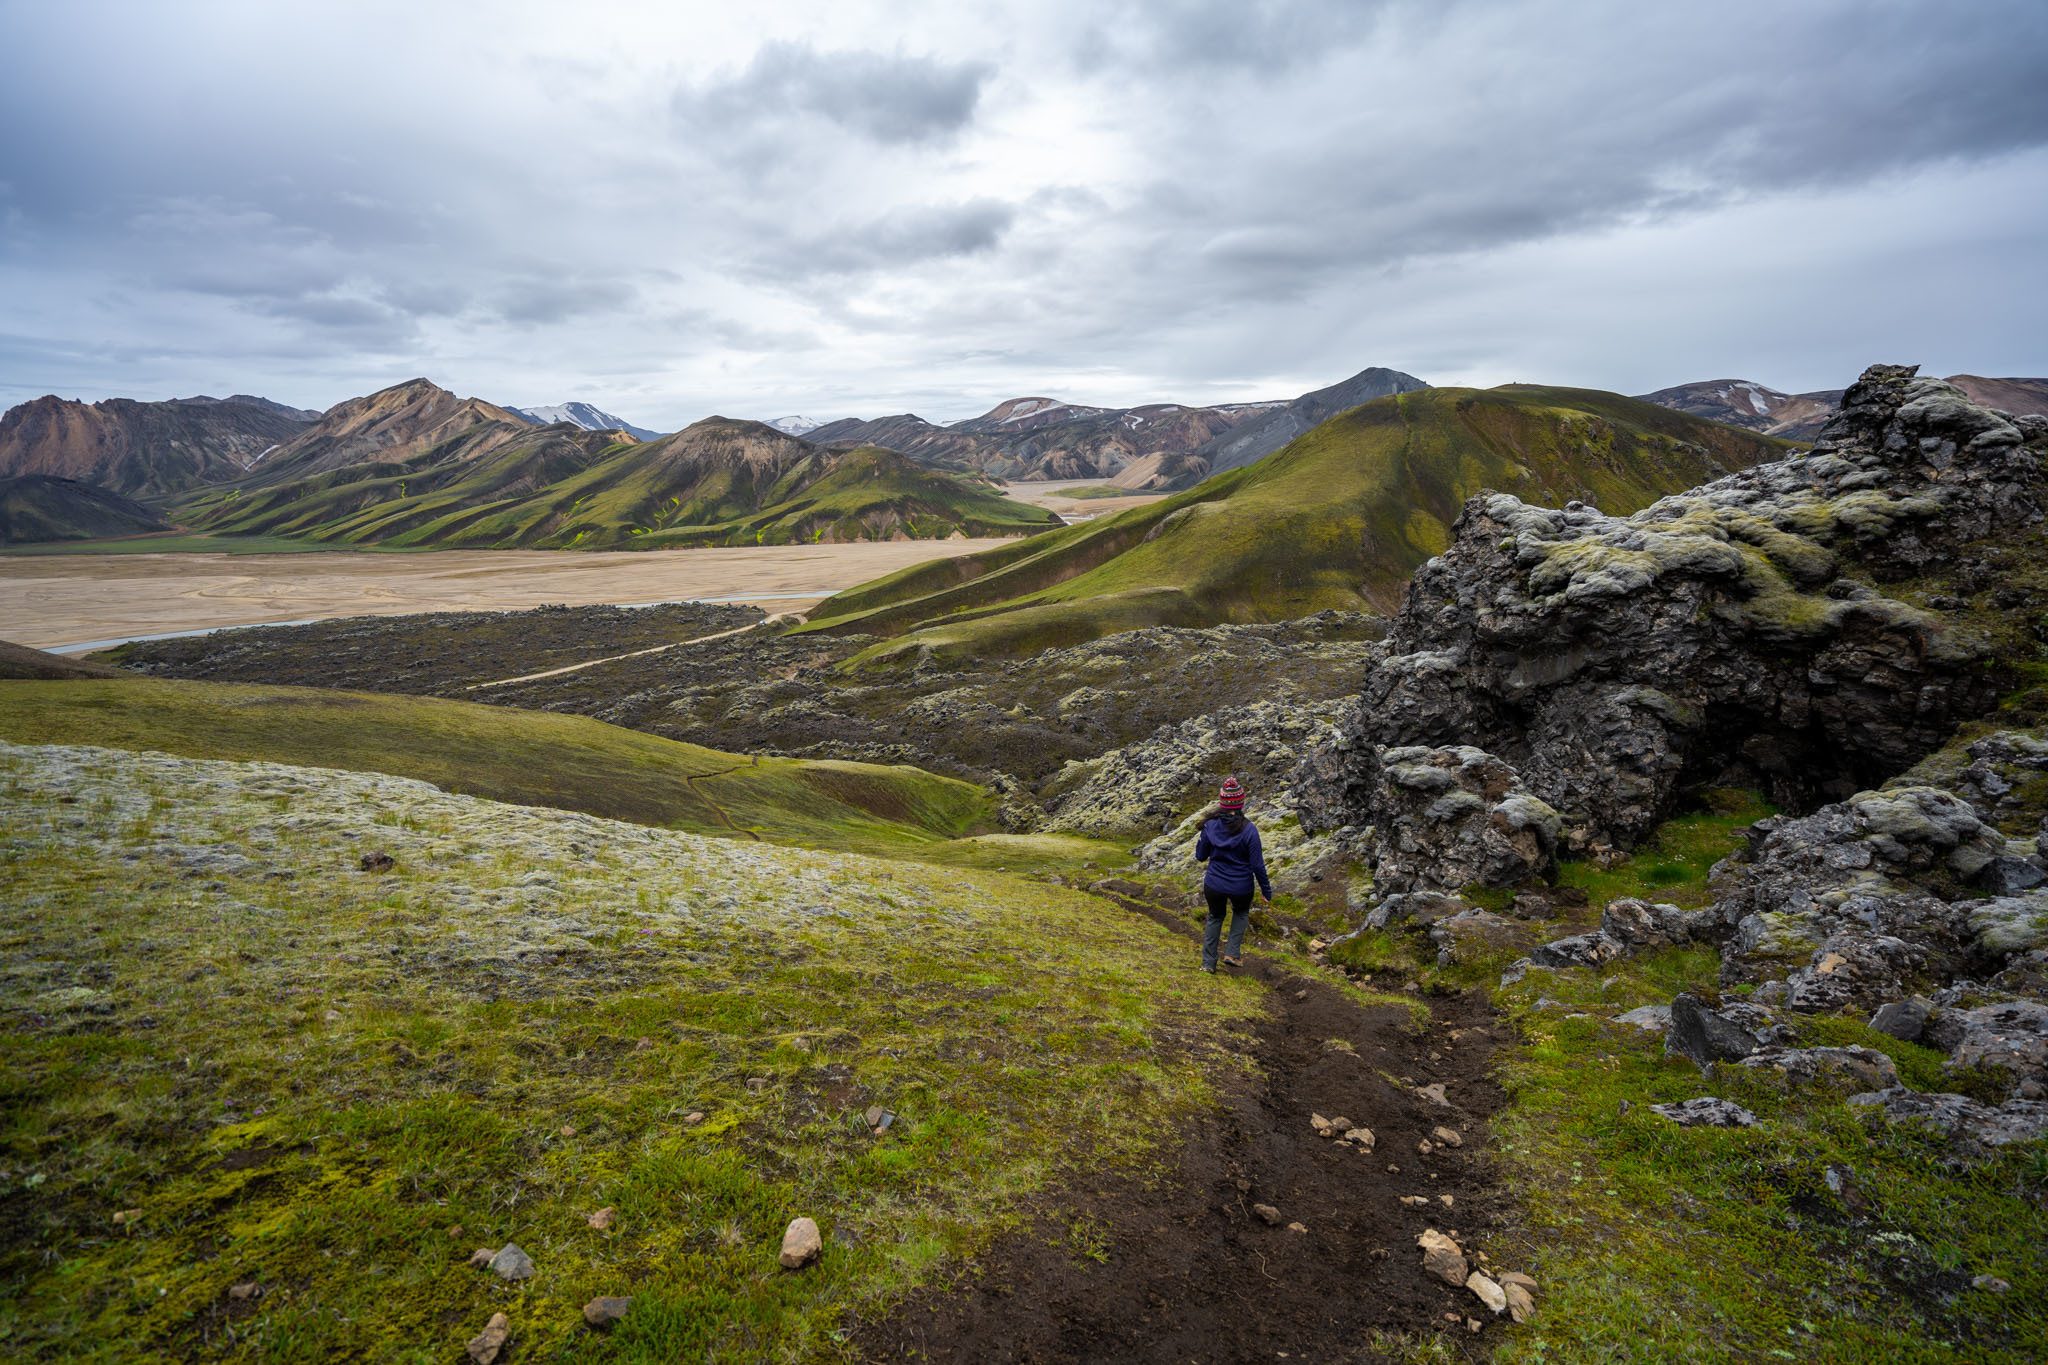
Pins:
x: 481, y: 1257
x: 249, y: 1290
x: 1267, y: 1214
x: 511, y: 1263
x: 1488, y: 1291
x: 379, y: 861
x: 801, y: 1244
x: 1706, y: 1112
x: 1521, y: 1303
x: 604, y: 1310
x: 693, y: 1118
x: 1991, y: 1284
x: 1515, y: 1277
x: 126, y: 1216
x: 485, y: 1345
x: 602, y: 1219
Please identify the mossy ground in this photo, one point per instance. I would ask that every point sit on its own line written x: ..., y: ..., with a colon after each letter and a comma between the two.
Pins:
x: 306, y: 1076
x: 1653, y: 1242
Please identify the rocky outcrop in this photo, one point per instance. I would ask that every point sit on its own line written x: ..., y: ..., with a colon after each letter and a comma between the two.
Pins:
x: 1734, y: 633
x: 1457, y: 816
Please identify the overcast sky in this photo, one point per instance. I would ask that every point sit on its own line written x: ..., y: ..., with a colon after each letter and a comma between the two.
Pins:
x: 856, y: 209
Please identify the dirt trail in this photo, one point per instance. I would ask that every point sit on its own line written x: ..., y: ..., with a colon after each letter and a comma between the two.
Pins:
x: 1191, y: 1274
x: 761, y: 624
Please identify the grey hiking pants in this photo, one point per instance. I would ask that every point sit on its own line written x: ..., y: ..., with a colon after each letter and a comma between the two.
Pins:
x: 1218, y: 902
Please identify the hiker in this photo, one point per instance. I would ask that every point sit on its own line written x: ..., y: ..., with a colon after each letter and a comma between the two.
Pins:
x: 1229, y: 844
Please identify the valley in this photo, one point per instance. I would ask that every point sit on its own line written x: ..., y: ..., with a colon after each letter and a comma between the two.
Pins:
x: 61, y: 601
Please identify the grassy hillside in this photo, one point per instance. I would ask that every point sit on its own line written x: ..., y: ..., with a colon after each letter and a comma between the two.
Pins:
x: 1338, y: 518
x: 37, y: 509
x: 528, y: 757
x: 258, y: 1104
x: 716, y: 483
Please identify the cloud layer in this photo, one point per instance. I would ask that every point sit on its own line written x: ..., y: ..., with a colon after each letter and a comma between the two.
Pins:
x: 861, y: 208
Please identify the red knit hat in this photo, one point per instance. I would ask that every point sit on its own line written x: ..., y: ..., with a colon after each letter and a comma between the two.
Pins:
x: 1232, y: 796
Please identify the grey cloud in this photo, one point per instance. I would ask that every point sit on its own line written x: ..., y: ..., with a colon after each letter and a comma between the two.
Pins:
x: 883, y: 97
x: 905, y: 237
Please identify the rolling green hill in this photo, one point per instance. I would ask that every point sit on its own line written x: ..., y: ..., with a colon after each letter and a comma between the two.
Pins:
x: 718, y: 482
x: 39, y: 508
x: 1338, y: 518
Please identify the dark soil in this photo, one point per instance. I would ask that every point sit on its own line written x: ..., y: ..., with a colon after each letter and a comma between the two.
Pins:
x: 1187, y: 1272
x: 436, y: 654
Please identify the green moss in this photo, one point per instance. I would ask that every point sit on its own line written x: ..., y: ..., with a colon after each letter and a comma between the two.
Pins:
x: 1672, y: 865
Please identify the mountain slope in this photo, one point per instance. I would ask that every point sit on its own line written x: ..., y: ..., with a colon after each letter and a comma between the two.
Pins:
x: 718, y: 482
x: 35, y: 508
x: 1336, y: 519
x: 586, y: 416
x: 391, y: 425
x: 1800, y: 416
x: 145, y: 449
x: 1265, y: 432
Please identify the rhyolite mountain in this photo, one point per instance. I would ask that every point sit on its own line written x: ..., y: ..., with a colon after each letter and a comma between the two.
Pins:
x: 1336, y: 519
x: 145, y: 449
x: 588, y: 416
x: 717, y: 482
x: 36, y: 508
x: 1154, y: 446
x: 392, y: 424
x: 1800, y: 416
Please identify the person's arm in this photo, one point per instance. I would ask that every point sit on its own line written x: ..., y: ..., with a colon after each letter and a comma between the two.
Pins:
x: 1259, y: 867
x: 1203, y: 848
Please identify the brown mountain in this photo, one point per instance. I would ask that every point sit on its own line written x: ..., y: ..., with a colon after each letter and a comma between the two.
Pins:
x: 390, y: 426
x: 1800, y: 416
x: 145, y: 449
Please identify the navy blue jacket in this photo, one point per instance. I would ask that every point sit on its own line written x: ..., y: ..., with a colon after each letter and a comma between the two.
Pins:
x: 1234, y: 857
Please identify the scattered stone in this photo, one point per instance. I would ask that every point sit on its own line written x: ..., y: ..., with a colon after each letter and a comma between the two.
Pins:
x: 568, y: 1130
x: 1267, y: 1214
x: 1434, y: 1093
x: 126, y: 1216
x: 1903, y: 1019
x: 1297, y: 1227
x: 694, y: 1117
x: 1975, y: 1128
x: 455, y: 1232
x: 481, y: 1257
x: 1521, y: 1303
x: 1990, y: 1284
x: 1363, y: 1137
x: 511, y: 1263
x: 756, y: 1084
x: 643, y: 1044
x: 602, y: 1219
x: 1862, y: 1068
x: 485, y: 1345
x: 801, y: 1244
x: 1414, y: 1200
x: 1446, y: 1200
x: 605, y: 1310
x: 1488, y: 1291
x: 1648, y: 1018
x: 244, y: 1292
x: 1443, y: 1258
x: 1320, y: 1124
x: 1514, y: 1277
x: 1703, y: 1036
x: 1473, y: 1325
x: 379, y: 861
x: 1706, y: 1112
x: 1340, y: 1125
x: 1445, y: 1137
x: 1424, y: 1147
x: 874, y: 1115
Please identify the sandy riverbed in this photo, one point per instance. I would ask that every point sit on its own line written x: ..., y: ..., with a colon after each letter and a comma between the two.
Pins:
x: 61, y: 601
x: 1051, y: 494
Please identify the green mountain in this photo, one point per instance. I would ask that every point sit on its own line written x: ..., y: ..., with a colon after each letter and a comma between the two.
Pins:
x: 718, y: 482
x: 38, y: 507
x: 1337, y: 518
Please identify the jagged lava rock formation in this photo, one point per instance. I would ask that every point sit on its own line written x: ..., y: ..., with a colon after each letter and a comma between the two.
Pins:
x: 1738, y: 632
x: 1814, y: 627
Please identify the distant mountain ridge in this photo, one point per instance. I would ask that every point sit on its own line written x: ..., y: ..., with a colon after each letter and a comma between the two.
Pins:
x: 139, y: 449
x: 1153, y: 446
x: 585, y: 415
x: 1800, y: 416
x: 434, y: 471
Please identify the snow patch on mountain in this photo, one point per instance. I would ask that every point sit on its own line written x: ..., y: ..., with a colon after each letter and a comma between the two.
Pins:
x: 796, y: 425
x: 585, y: 415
